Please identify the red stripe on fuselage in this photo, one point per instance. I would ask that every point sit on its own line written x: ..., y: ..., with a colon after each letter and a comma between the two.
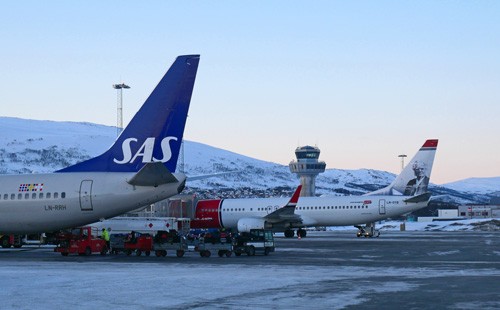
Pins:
x: 207, y: 214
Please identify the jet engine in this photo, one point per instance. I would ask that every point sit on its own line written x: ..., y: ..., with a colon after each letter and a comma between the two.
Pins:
x: 245, y: 224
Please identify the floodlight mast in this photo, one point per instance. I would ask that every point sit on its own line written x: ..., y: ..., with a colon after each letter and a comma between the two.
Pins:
x: 119, y: 122
x: 402, y: 156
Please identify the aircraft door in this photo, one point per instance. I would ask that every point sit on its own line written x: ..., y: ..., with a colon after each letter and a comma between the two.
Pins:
x: 381, y: 206
x: 86, y: 195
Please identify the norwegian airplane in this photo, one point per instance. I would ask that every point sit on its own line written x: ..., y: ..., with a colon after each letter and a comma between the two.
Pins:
x: 137, y: 170
x: 407, y: 193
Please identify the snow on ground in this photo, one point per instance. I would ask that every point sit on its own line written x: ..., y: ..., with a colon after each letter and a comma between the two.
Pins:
x: 97, y: 285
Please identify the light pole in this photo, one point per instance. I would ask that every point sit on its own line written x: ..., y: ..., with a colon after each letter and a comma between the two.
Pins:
x: 119, y: 88
x: 402, y: 161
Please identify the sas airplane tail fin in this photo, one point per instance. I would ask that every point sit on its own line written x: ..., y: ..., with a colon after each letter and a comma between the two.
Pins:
x: 155, y: 132
x: 414, y: 178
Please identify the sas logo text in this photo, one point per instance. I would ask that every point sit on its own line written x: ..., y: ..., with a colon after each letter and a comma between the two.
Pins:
x: 145, y: 151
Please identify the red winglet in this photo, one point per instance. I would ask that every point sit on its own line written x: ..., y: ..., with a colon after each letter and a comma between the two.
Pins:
x: 431, y: 143
x: 296, y: 195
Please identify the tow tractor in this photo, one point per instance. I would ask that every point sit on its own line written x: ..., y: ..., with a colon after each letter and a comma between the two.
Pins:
x: 81, y: 241
x: 367, y: 231
x: 255, y: 241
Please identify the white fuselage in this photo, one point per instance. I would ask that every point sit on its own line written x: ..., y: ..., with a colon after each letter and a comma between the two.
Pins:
x: 321, y: 211
x: 36, y: 203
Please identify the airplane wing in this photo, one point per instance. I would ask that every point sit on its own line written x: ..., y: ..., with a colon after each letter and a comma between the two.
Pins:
x: 286, y: 213
x: 152, y: 174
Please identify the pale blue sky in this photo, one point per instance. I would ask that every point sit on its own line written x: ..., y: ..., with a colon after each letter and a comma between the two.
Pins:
x: 363, y: 80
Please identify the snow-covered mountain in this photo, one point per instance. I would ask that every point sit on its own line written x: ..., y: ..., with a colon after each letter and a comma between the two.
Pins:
x: 32, y: 146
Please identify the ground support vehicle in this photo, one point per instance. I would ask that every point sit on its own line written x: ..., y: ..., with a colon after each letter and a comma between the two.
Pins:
x: 117, y: 242
x: 139, y: 244
x: 255, y: 241
x: 367, y: 231
x: 169, y: 241
x: 81, y: 241
x: 206, y: 246
x: 6, y: 241
x: 131, y: 243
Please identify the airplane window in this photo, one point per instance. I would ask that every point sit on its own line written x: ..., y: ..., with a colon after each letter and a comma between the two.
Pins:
x: 251, y: 209
x: 63, y: 195
x: 12, y: 196
x: 48, y: 195
x: 56, y: 195
x: 27, y: 196
x: 5, y: 196
x: 19, y: 196
x: 40, y: 195
x: 33, y: 196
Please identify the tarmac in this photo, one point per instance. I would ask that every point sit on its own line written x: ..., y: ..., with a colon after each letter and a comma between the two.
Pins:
x: 330, y: 269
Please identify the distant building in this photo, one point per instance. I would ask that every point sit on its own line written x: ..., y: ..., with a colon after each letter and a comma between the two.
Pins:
x: 307, y: 167
x: 479, y: 211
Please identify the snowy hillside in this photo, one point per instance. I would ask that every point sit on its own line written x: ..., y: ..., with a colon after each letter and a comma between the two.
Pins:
x: 31, y: 146
x: 476, y: 185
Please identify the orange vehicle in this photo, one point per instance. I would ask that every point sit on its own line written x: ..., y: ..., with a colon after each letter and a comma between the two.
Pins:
x: 81, y: 241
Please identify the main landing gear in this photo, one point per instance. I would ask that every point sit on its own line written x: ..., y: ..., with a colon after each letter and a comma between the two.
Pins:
x: 367, y: 231
x: 289, y: 233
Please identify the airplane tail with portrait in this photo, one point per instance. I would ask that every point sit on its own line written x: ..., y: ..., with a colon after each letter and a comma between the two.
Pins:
x: 152, y: 140
x: 414, y: 179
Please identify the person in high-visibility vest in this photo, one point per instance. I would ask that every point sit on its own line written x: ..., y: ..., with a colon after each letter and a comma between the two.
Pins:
x: 105, y: 236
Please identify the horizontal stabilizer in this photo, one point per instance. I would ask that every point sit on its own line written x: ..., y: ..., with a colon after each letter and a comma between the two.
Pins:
x: 419, y: 198
x: 152, y: 174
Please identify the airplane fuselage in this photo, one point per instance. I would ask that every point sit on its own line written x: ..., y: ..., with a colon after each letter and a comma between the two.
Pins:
x: 314, y: 211
x: 46, y: 202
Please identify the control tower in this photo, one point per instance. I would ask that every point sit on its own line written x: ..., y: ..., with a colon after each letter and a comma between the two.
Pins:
x: 307, y: 167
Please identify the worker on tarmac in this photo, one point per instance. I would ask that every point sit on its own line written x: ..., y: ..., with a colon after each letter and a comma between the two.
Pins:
x: 105, y: 236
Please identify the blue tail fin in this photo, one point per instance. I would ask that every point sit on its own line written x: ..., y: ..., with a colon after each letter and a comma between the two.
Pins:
x: 155, y: 132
